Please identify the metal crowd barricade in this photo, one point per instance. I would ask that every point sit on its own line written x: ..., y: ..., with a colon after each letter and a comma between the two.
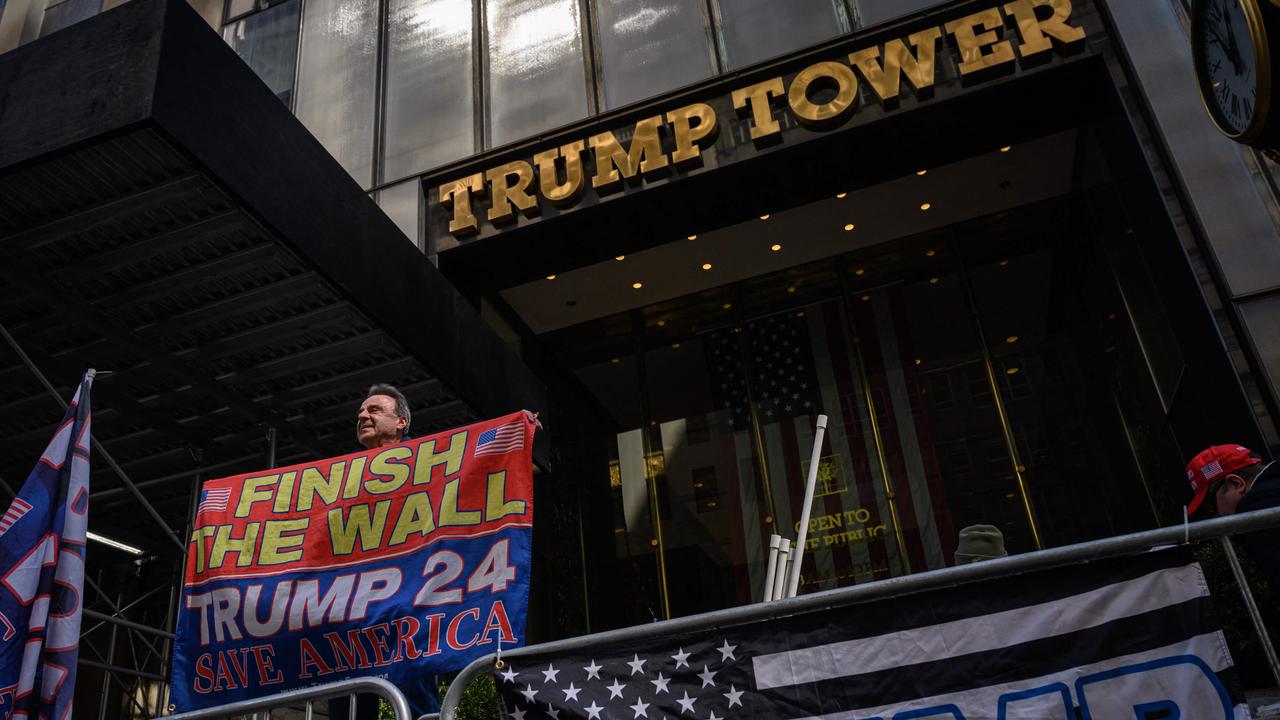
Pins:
x: 260, y: 709
x: 1218, y: 528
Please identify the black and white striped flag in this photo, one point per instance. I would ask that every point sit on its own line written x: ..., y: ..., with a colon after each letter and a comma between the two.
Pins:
x: 1129, y: 638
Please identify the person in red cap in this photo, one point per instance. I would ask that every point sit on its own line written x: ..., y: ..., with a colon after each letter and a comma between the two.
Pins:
x: 1230, y: 479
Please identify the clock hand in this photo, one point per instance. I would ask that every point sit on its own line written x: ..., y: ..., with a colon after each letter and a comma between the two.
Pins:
x: 1234, y: 48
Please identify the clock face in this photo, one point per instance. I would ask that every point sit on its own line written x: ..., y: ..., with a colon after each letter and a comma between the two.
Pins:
x: 1229, y: 64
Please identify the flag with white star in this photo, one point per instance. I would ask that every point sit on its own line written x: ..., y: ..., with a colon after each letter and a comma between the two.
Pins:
x: 777, y: 355
x: 699, y: 679
x: 1127, y: 637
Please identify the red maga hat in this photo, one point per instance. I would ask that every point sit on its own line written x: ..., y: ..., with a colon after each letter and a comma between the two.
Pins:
x: 1214, y: 463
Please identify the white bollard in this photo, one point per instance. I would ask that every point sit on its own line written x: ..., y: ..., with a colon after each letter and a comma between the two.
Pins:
x: 772, y: 566
x: 793, y: 579
x: 780, y: 575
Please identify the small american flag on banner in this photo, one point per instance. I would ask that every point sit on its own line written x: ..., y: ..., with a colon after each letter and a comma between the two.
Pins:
x: 214, y: 500
x: 14, y: 514
x: 501, y: 440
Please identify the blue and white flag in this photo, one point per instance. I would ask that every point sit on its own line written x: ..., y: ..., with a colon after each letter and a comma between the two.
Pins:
x: 1132, y: 637
x: 42, y: 574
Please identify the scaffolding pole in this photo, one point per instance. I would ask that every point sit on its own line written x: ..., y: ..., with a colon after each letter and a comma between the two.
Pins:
x: 97, y: 446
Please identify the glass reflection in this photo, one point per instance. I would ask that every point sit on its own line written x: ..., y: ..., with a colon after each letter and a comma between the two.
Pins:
x: 537, y: 76
x: 755, y: 30
x: 403, y: 204
x: 335, y: 94
x: 874, y: 12
x: 650, y: 47
x: 66, y: 13
x: 268, y: 43
x: 429, y: 107
x: 236, y: 8
x: 898, y: 344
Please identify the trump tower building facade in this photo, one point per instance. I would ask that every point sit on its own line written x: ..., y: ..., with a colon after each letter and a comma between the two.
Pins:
x: 998, y: 243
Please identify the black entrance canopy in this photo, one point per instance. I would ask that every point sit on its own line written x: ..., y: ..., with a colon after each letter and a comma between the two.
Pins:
x: 163, y: 216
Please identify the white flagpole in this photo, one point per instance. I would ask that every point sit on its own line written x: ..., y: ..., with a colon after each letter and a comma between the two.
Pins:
x: 793, y: 580
x: 780, y: 577
x: 771, y: 569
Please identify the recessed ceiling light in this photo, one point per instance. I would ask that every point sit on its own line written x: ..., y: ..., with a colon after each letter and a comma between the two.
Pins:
x: 800, y: 314
x: 841, y: 196
x: 775, y: 247
x: 693, y: 237
x: 859, y: 272
x: 662, y: 323
x: 713, y: 505
x: 849, y: 227
x: 764, y: 217
x: 675, y: 346
x: 637, y: 285
x: 551, y: 277
x: 726, y: 306
x: 922, y: 173
x: 926, y: 206
x: 1004, y: 263
x: 620, y: 258
x: 615, y: 361
x: 706, y: 266
x: 919, y: 361
x: 866, y: 298
x: 930, y: 253
x: 1006, y: 148
x: 791, y: 289
x: 1011, y: 371
x: 1011, y: 339
x: 933, y: 281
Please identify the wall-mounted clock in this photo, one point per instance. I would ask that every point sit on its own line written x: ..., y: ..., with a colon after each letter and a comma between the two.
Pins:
x: 1235, y: 46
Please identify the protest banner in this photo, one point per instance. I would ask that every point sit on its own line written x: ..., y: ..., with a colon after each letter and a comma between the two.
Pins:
x: 399, y: 562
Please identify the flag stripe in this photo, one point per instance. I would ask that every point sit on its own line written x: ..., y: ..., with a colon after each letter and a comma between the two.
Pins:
x: 856, y: 436
x: 754, y: 542
x: 922, y: 425
x: 746, y: 585
x: 1206, y: 646
x: 905, y: 415
x: 873, y: 359
x: 1153, y: 606
x: 959, y: 637
x: 978, y: 600
x: 1031, y: 659
x: 850, y: 557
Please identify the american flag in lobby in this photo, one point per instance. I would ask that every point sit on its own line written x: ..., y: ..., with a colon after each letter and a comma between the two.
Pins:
x: 809, y: 352
x: 1133, y: 637
x: 213, y: 500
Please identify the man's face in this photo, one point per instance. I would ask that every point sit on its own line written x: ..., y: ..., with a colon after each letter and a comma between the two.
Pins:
x: 377, y: 423
x: 1229, y: 493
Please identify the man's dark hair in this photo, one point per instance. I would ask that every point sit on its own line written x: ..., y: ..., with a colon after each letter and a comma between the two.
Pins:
x: 1249, y: 473
x: 402, y: 403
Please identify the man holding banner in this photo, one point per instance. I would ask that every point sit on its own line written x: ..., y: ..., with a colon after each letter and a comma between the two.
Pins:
x: 382, y: 421
x: 405, y: 560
